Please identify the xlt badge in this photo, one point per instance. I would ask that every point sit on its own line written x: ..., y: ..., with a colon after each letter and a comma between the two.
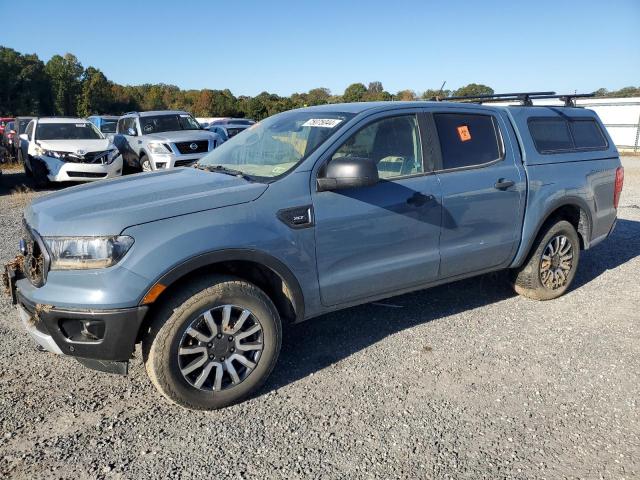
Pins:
x: 297, y: 217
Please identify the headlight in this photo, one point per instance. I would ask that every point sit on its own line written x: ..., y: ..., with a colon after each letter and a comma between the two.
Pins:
x: 112, y: 155
x: 49, y: 153
x: 79, y: 253
x: 157, y: 148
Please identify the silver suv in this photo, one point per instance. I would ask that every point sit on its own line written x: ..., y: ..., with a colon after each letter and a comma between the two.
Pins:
x: 162, y: 139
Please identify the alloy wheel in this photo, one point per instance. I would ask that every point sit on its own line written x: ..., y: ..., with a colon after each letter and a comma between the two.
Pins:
x: 556, y: 262
x: 220, y: 348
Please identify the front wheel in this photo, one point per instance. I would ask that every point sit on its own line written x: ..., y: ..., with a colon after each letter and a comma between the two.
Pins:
x: 213, y: 344
x: 27, y: 170
x: 145, y: 164
x: 552, y: 265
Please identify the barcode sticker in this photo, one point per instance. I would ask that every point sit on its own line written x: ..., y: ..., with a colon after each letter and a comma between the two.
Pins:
x: 322, y: 122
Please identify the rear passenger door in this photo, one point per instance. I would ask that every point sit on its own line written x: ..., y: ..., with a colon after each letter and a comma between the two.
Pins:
x: 483, y: 190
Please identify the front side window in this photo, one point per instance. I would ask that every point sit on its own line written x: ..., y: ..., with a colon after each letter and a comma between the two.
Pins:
x: 467, y: 140
x: 275, y: 145
x: 392, y: 143
x: 168, y: 123
x: 67, y: 131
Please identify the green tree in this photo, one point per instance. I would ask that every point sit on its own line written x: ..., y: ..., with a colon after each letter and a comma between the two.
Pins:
x: 354, y: 92
x: 473, y: 89
x: 97, y: 95
x: 405, y: 95
x: 433, y: 93
x: 318, y: 96
x: 375, y: 93
x: 65, y: 74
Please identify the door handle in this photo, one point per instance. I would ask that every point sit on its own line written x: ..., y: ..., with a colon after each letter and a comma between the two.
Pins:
x: 503, y: 184
x: 419, y: 199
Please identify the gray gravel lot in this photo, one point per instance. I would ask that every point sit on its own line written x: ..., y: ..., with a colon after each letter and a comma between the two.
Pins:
x: 465, y: 380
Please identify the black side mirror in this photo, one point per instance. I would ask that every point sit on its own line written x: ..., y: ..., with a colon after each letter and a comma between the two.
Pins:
x: 348, y: 172
x: 132, y: 132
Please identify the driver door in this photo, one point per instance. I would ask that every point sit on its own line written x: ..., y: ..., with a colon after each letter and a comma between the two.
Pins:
x: 381, y: 239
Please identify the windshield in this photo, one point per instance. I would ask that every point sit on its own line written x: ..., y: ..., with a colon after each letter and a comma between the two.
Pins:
x: 67, y: 131
x: 168, y: 123
x: 274, y: 146
x: 108, y: 126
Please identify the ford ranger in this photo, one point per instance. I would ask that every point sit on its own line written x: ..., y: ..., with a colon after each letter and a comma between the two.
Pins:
x: 306, y: 212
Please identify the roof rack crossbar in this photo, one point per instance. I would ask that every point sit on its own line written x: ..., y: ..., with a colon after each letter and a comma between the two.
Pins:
x: 526, y: 98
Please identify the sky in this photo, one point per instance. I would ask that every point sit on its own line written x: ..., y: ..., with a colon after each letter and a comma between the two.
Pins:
x: 293, y: 46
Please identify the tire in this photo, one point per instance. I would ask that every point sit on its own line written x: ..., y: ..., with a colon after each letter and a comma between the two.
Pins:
x: 27, y: 170
x: 552, y: 264
x: 145, y: 164
x: 181, y: 325
x: 40, y: 173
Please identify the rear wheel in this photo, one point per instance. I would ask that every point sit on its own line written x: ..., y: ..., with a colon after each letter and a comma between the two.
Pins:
x: 552, y: 265
x: 213, y: 344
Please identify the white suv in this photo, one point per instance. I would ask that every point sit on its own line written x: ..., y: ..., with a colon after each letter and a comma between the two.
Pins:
x: 68, y: 150
x: 162, y: 139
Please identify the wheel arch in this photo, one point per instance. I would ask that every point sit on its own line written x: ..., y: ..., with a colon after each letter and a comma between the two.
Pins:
x: 575, y: 210
x: 259, y: 268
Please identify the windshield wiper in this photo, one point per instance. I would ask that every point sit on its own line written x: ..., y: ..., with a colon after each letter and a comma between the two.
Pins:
x: 224, y: 170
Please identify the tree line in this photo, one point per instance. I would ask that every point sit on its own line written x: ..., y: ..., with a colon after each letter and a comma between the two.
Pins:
x: 63, y: 86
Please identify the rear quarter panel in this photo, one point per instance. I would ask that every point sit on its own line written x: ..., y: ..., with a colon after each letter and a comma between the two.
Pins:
x: 584, y: 179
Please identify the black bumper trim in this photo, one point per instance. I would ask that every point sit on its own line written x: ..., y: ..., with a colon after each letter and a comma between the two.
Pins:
x: 120, y: 334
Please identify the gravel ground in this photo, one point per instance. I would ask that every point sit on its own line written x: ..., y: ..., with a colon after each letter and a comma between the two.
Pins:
x: 464, y: 381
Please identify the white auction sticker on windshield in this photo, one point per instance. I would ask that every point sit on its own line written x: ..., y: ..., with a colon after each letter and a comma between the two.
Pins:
x: 81, y: 124
x: 322, y: 122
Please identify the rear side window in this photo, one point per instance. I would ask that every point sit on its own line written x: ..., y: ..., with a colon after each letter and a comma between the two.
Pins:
x: 560, y: 135
x: 587, y: 134
x: 467, y: 140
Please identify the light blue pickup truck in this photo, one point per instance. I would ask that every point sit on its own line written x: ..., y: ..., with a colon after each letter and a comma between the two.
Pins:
x: 306, y: 212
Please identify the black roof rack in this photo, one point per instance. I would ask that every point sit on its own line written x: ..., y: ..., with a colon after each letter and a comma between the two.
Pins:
x: 526, y: 98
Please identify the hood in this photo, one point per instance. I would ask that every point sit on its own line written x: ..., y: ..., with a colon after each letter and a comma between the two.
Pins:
x: 109, y: 206
x: 179, y: 136
x: 96, y: 145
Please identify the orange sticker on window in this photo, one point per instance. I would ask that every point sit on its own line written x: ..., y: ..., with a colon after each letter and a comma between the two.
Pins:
x: 463, y: 133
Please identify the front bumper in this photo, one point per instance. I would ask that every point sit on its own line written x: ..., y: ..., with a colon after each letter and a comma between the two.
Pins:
x: 161, y: 161
x: 92, y: 334
x: 60, y: 171
x: 99, y: 339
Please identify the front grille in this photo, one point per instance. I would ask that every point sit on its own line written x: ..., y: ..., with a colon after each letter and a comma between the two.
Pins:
x: 184, y: 163
x: 35, y: 260
x: 86, y: 174
x: 202, y: 146
x: 89, y: 157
